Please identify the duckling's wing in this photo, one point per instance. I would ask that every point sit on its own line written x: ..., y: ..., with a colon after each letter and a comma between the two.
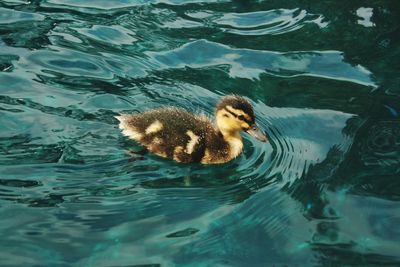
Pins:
x: 168, y: 132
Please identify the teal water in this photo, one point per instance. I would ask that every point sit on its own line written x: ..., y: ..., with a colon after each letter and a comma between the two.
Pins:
x: 324, y: 77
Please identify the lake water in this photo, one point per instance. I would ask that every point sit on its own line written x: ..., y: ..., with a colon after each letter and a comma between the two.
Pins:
x: 324, y: 78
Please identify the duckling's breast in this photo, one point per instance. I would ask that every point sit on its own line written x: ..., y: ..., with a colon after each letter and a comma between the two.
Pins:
x: 217, y: 150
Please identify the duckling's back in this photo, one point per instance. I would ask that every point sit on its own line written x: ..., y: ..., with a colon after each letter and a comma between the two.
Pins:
x: 169, y: 132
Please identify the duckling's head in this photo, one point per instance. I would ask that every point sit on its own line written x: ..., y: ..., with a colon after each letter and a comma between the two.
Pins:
x: 235, y: 114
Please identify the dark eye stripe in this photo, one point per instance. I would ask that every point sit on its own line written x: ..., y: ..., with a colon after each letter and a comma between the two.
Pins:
x: 240, y: 117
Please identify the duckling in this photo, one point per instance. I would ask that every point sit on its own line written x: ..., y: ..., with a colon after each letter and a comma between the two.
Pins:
x: 185, y: 137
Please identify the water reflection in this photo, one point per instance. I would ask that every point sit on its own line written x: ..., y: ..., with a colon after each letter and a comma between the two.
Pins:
x: 244, y: 63
x: 324, y: 84
x: 12, y: 16
x: 276, y: 21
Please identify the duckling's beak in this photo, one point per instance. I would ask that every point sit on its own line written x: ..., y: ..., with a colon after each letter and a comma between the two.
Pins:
x: 256, y: 132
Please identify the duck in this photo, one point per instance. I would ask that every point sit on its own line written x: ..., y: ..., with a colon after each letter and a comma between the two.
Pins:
x: 180, y: 135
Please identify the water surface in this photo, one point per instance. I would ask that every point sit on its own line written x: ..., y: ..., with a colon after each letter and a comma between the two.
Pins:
x: 323, y: 78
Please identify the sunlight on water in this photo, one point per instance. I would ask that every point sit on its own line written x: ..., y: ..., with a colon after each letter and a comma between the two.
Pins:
x: 323, y: 81
x: 250, y: 64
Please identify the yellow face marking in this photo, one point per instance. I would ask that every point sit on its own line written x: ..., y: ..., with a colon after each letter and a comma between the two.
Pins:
x: 245, y: 126
x: 238, y: 112
x: 192, y: 142
x: 230, y: 128
x: 156, y: 126
x: 227, y: 123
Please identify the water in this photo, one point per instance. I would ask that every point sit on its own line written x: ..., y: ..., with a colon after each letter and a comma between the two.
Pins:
x: 323, y: 77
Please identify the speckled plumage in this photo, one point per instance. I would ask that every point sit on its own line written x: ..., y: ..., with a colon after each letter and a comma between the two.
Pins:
x: 177, y: 134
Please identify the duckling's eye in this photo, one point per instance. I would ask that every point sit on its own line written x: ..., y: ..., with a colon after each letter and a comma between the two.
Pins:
x: 241, y: 117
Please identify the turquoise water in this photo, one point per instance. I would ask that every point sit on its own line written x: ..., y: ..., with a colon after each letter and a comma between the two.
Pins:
x: 324, y: 78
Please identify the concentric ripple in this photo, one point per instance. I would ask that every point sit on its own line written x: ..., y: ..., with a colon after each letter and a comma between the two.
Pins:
x: 382, y: 147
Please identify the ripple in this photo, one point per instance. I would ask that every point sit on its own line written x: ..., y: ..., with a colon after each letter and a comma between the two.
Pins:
x: 246, y: 63
x: 71, y: 62
x: 8, y: 16
x: 114, y: 34
x: 100, y: 4
x: 64, y: 63
x: 382, y: 145
x: 300, y: 139
x: 118, y: 4
x: 183, y: 233
x: 277, y: 21
x: 180, y: 23
x: 19, y: 183
x: 17, y: 150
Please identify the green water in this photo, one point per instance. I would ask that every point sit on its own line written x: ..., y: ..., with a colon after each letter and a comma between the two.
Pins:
x: 324, y: 78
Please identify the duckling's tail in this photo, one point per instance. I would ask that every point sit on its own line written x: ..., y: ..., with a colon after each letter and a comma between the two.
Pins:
x: 127, y: 128
x: 120, y: 118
